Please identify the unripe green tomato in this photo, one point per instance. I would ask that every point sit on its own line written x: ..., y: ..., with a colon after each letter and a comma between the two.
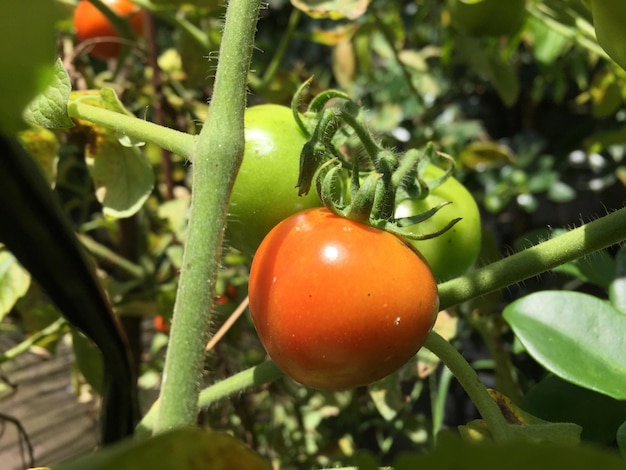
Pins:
x: 609, y: 18
x: 264, y: 193
x: 456, y: 251
x: 487, y: 17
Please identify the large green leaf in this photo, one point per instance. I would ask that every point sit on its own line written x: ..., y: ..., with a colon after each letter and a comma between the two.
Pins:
x: 452, y: 453
x: 122, y: 175
x: 578, y: 337
x: 49, y: 109
x: 28, y: 39
x: 183, y: 449
x: 556, y: 400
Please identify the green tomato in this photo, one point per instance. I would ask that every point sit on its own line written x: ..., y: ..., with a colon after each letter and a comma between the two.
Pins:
x: 487, y: 17
x: 608, y: 20
x: 454, y: 252
x: 264, y: 192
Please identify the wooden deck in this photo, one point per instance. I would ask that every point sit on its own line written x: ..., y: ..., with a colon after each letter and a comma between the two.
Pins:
x: 45, y: 405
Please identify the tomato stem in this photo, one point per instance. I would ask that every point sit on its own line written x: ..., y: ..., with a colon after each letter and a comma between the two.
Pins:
x: 217, y: 157
x: 584, y: 240
x: 256, y: 376
x: 470, y: 382
x: 175, y: 141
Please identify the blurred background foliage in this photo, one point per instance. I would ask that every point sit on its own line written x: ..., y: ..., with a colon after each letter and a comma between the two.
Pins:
x: 525, y: 100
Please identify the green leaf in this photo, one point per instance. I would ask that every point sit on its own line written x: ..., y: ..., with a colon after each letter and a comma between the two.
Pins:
x: 122, y: 176
x: 332, y: 9
x: 188, y: 449
x: 576, y: 336
x: 14, y: 282
x: 49, y: 109
x: 28, y: 39
x: 548, y: 44
x: 88, y: 360
x: 503, y: 77
x: 42, y: 144
x: 452, y: 453
x: 554, y: 399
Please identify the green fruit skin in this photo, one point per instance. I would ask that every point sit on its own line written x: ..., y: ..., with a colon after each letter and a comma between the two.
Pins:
x: 264, y: 193
x: 455, y: 252
x: 487, y: 18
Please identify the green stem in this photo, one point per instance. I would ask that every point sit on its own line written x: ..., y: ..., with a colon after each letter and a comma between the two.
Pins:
x: 468, y: 379
x: 55, y: 327
x: 594, y: 236
x: 109, y: 256
x: 169, y: 139
x: 216, y: 160
x: 255, y: 376
x: 272, y: 68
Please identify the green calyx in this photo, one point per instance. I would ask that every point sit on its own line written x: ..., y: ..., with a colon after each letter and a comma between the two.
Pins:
x: 354, y: 176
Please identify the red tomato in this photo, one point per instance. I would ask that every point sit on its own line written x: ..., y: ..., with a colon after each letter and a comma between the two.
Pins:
x: 338, y: 304
x: 90, y: 23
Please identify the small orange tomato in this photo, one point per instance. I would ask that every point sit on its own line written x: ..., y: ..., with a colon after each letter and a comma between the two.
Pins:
x: 338, y: 304
x: 91, y: 24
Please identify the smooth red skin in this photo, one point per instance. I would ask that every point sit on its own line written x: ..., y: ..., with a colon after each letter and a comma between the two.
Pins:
x: 345, y: 321
x: 90, y: 23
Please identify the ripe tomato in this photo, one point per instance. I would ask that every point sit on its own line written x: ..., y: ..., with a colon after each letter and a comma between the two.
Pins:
x: 90, y: 23
x: 453, y: 253
x: 338, y: 304
x: 487, y: 17
x: 264, y: 192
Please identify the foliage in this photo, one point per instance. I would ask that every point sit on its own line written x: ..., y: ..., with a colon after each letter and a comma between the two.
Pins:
x: 128, y: 223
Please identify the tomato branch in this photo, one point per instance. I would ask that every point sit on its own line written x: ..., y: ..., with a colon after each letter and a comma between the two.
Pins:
x: 217, y: 156
x: 169, y: 139
x: 470, y: 382
x: 584, y: 240
x: 253, y: 377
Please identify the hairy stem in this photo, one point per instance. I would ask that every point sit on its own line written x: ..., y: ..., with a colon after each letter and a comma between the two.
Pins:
x: 169, y: 139
x: 594, y: 236
x: 253, y: 377
x: 216, y: 160
x: 468, y: 379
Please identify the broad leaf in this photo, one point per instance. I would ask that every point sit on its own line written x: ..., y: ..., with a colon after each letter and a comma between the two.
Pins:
x: 452, y: 453
x: 28, y: 38
x: 122, y: 175
x: 49, y: 109
x: 189, y: 449
x: 554, y: 399
x: 576, y: 336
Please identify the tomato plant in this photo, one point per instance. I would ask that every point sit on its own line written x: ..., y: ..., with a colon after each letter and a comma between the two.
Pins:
x: 487, y: 17
x: 264, y: 193
x: 91, y: 24
x: 455, y: 251
x: 338, y: 304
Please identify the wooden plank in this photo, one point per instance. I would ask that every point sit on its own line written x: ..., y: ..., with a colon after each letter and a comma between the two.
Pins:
x: 44, y: 402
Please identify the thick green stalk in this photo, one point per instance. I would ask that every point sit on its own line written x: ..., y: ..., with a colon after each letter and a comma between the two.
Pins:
x: 253, y: 377
x: 596, y: 235
x: 216, y: 160
x: 169, y: 139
